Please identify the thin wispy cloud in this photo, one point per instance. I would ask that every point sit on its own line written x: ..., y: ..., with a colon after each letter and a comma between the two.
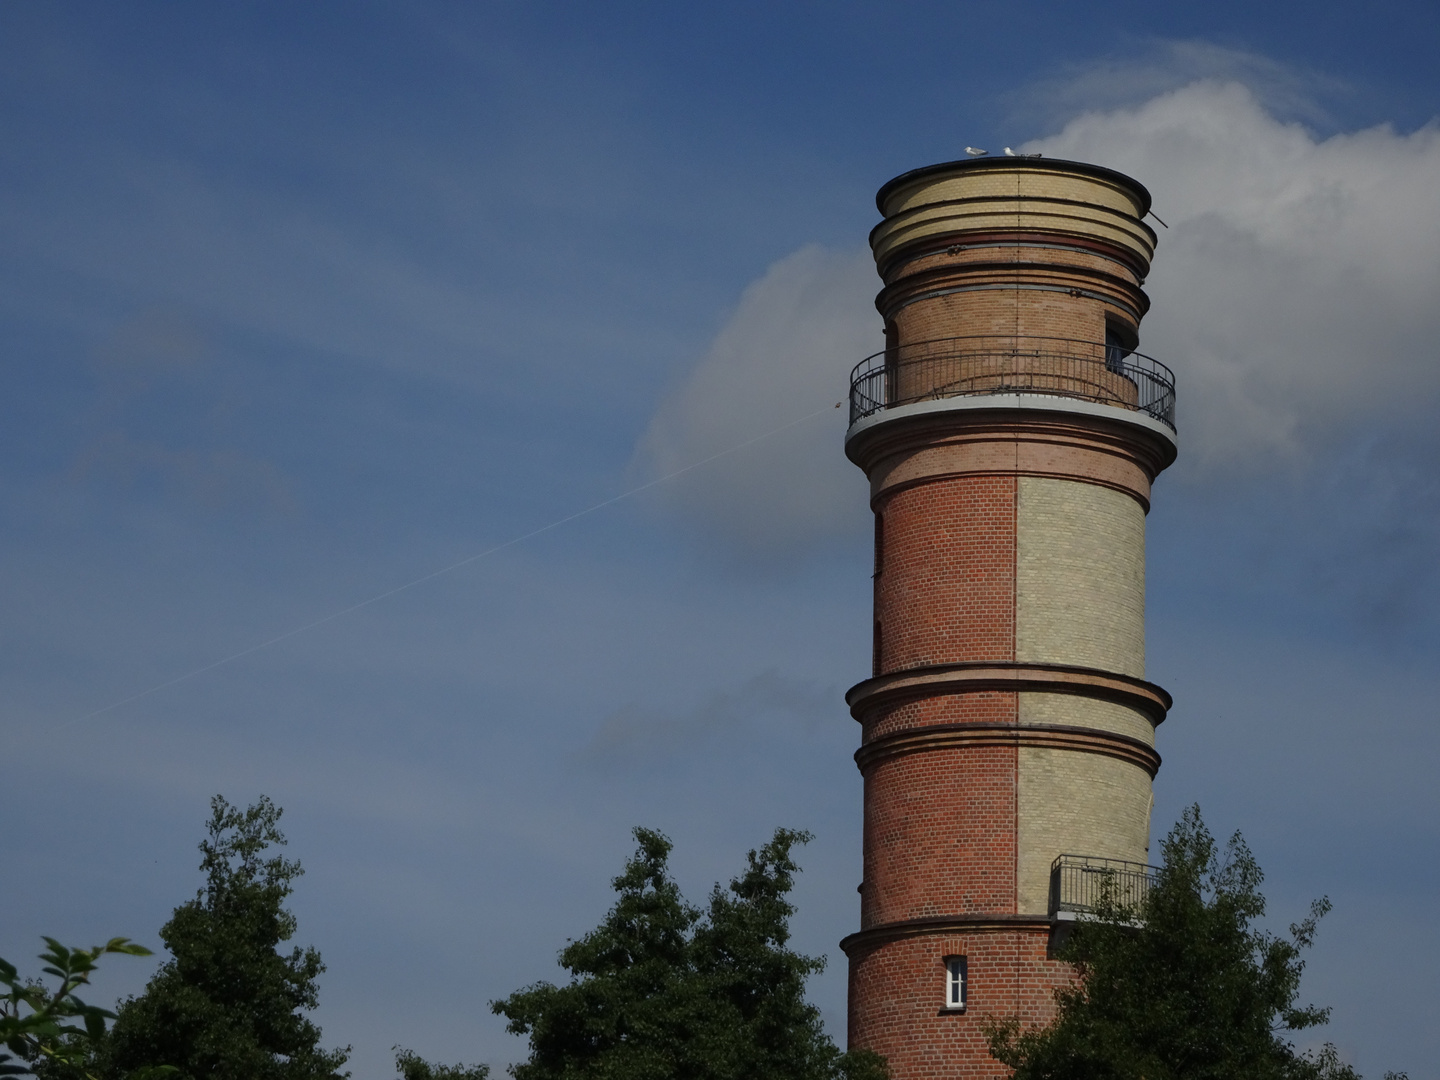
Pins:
x: 1148, y: 67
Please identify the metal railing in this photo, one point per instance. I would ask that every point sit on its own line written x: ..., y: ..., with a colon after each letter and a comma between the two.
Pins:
x: 996, y: 364
x: 1079, y: 884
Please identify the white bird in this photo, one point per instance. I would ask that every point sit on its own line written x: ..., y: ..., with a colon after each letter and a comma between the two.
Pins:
x: 975, y: 151
x: 1010, y: 153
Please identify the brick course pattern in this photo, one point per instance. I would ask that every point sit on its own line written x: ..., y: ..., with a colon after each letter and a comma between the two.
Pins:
x: 1086, y: 712
x: 1080, y: 576
x: 1075, y: 804
x: 946, y: 587
x: 939, y: 835
x: 1004, y: 312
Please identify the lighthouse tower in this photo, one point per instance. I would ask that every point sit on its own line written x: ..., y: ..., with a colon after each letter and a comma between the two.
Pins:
x: 1010, y: 432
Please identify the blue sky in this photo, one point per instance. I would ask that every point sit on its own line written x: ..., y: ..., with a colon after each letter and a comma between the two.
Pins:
x: 301, y: 303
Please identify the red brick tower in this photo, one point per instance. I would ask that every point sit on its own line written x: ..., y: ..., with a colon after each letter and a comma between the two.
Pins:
x: 1010, y: 433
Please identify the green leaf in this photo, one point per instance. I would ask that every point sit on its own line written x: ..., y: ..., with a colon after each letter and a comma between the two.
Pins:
x: 126, y: 946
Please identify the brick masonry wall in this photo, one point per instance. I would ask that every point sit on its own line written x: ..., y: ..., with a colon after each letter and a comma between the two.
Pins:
x: 1080, y: 576
x: 967, y: 437
x: 939, y: 835
x: 897, y: 996
x: 1036, y: 708
x: 1075, y: 804
x: 989, y: 251
x: 985, y: 707
x: 1001, y: 311
x: 945, y: 591
x: 995, y: 567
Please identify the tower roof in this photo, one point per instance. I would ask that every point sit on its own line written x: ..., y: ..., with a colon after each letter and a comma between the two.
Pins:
x: 1099, y: 172
x: 1046, y: 198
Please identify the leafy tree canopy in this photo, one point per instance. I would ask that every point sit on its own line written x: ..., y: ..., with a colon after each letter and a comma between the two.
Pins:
x: 1182, y: 986
x: 54, y: 1031
x: 229, y: 1005
x: 411, y: 1066
x: 662, y: 990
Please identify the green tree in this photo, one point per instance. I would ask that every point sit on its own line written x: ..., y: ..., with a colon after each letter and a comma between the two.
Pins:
x: 1182, y: 986
x: 53, y: 1032
x: 411, y: 1066
x: 229, y: 1005
x: 661, y: 990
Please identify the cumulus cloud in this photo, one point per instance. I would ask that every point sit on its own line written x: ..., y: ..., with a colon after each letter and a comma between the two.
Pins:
x: 1297, y: 298
x: 1295, y: 290
x: 785, y: 353
x: 1153, y: 68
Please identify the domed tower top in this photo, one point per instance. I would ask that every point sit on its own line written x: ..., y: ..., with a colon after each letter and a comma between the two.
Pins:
x: 1099, y: 207
x: 1014, y: 275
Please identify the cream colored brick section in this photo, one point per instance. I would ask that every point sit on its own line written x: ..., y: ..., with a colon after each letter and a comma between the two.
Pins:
x: 1035, y: 183
x: 1005, y: 198
x: 1079, y: 576
x: 1076, y: 804
x: 1086, y: 712
x: 1029, y: 182
x: 1012, y: 215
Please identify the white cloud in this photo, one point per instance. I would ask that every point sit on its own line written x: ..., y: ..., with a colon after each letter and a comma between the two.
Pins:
x: 1296, y: 295
x: 1149, y: 69
x: 1296, y: 288
x: 785, y: 353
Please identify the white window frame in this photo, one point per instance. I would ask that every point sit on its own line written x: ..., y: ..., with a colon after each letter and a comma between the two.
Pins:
x: 957, y: 983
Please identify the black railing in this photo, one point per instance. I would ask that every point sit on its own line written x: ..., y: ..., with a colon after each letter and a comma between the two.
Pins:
x: 1079, y: 884
x: 996, y: 364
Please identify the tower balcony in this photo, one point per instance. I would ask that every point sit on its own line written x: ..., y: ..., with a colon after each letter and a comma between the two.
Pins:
x: 1079, y: 883
x: 1105, y: 373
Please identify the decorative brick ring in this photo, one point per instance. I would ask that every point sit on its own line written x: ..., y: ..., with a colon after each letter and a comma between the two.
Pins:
x: 1034, y: 736
x: 978, y: 677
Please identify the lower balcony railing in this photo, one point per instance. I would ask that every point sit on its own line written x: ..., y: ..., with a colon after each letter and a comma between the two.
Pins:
x: 1079, y: 884
x: 989, y: 364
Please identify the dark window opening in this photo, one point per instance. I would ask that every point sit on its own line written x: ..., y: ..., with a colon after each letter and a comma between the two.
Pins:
x: 879, y: 544
x: 875, y: 659
x: 1116, y: 350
